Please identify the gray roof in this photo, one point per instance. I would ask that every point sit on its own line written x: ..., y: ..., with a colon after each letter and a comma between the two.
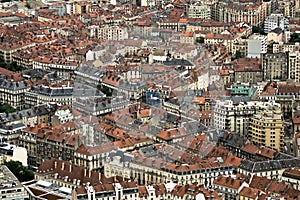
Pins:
x: 52, y: 91
x: 9, y: 84
x: 270, y: 165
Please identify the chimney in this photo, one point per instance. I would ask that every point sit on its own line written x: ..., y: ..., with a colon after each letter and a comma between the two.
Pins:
x: 62, y: 166
x: 55, y: 164
x: 70, y: 167
x: 99, y: 176
x: 90, y: 172
x: 115, y: 179
x: 84, y: 172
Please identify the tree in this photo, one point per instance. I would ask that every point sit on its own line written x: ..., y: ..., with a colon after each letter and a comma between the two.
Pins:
x: 106, y: 91
x: 256, y: 29
x: 294, y: 38
x: 200, y: 40
x: 5, y: 108
x: 22, y: 173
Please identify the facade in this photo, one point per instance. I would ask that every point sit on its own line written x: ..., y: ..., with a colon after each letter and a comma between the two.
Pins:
x: 274, y: 66
x: 293, y: 66
x: 92, y: 156
x: 47, y: 94
x: 11, y: 188
x: 150, y: 170
x: 241, y: 90
x: 236, y: 117
x: 9, y: 152
x: 238, y: 12
x: 112, y: 33
x: 12, y: 92
x: 275, y: 21
x: 198, y: 11
x: 228, y: 186
x: 266, y: 128
x: 257, y: 44
x: 64, y: 68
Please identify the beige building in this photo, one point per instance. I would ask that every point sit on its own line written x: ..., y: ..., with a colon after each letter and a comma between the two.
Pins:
x: 266, y: 129
x: 198, y: 11
x: 187, y: 38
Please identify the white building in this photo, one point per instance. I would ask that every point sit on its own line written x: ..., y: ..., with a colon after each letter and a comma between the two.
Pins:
x: 236, y: 117
x: 293, y: 66
x: 257, y: 44
x: 10, y: 152
x: 10, y: 187
x: 276, y: 21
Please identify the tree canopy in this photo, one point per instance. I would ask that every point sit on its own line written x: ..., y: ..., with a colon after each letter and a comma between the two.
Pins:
x: 5, y: 108
x: 22, y: 173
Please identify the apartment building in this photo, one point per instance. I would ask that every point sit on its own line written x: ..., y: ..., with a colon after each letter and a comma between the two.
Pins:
x: 274, y: 66
x: 12, y: 89
x: 257, y: 44
x: 282, y: 47
x: 11, y: 188
x: 198, y: 11
x: 150, y: 170
x: 111, y: 32
x: 52, y: 141
x: 236, y: 117
x: 64, y: 68
x: 93, y: 157
x: 240, y: 45
x: 266, y: 128
x: 57, y: 179
x: 43, y: 94
x: 247, y: 70
x: 229, y: 186
x: 275, y: 21
x: 237, y: 12
x: 293, y: 66
x: 292, y: 175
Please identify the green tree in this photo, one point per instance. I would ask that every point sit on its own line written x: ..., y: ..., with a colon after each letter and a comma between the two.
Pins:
x: 5, y: 108
x: 295, y: 38
x: 256, y: 29
x: 22, y: 173
x: 200, y: 40
x: 106, y: 91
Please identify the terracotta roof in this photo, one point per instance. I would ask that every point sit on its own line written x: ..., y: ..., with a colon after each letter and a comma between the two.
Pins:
x: 249, y: 192
x: 228, y: 182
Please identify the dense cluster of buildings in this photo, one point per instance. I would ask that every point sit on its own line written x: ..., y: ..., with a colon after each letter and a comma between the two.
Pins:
x: 147, y: 99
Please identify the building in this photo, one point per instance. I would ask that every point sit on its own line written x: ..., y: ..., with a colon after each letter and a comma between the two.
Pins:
x: 198, y: 11
x: 247, y: 70
x: 228, y: 11
x: 111, y: 33
x: 274, y: 66
x: 57, y: 179
x: 11, y: 188
x: 236, y: 117
x: 257, y: 44
x: 156, y: 170
x: 62, y: 115
x: 93, y: 157
x: 52, y: 141
x: 12, y: 89
x: 292, y: 176
x: 229, y: 186
x: 241, y: 90
x: 275, y: 21
x: 44, y: 94
x: 12, y: 152
x: 293, y: 66
x: 266, y: 128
